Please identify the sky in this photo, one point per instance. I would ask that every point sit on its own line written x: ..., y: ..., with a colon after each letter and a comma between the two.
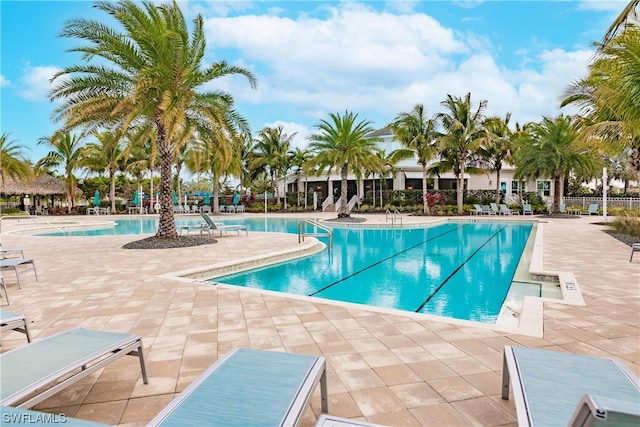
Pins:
x: 377, y: 59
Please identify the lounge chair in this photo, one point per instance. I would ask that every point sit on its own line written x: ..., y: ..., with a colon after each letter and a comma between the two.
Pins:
x: 487, y: 210
x: 494, y: 209
x: 240, y: 209
x: 15, y: 251
x: 504, y: 210
x: 477, y: 210
x: 202, y: 228
x: 249, y: 387
x: 216, y: 226
x: 36, y: 371
x: 635, y: 247
x: 6, y: 294
x: 594, y: 410
x: 19, y: 266
x: 526, y: 209
x: 548, y: 385
x: 592, y: 210
x: 14, y: 322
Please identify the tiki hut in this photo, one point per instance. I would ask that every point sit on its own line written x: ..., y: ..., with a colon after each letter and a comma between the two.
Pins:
x: 44, y: 186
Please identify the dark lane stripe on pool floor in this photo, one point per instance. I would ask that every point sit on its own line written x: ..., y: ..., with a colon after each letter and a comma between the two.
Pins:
x: 426, y: 301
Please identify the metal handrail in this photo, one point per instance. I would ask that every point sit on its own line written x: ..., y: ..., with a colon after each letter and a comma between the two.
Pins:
x: 328, y: 232
x: 393, y: 217
x: 31, y: 217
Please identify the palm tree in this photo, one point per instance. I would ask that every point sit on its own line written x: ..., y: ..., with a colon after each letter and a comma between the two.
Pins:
x: 416, y: 133
x: 12, y: 161
x: 67, y: 152
x: 552, y: 151
x: 462, y: 136
x: 106, y: 154
x: 270, y: 154
x: 343, y: 144
x: 496, y: 147
x: 299, y: 160
x: 153, y: 73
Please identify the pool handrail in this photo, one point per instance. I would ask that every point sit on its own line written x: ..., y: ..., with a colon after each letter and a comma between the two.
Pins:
x: 328, y: 232
x: 31, y: 217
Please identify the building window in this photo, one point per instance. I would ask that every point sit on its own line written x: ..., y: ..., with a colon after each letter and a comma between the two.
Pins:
x: 517, y: 187
x: 544, y: 188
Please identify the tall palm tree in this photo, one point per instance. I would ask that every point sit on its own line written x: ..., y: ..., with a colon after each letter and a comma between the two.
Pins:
x: 106, y: 154
x: 68, y: 152
x: 417, y: 134
x: 552, y: 150
x: 496, y: 147
x: 270, y: 153
x: 299, y: 159
x: 13, y: 163
x: 152, y: 71
x: 342, y: 143
x: 462, y: 135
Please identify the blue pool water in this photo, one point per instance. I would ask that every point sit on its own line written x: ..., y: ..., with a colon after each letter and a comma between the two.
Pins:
x: 459, y: 270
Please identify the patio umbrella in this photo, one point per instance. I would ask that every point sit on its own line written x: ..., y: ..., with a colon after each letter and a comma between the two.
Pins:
x: 236, y: 198
x: 207, y: 199
x: 175, y: 198
x: 136, y: 199
x: 96, y: 198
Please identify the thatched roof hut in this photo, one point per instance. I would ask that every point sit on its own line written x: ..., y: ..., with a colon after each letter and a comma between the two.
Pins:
x: 41, y: 185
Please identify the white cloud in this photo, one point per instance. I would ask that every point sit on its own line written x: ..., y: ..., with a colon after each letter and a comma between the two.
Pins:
x: 34, y: 82
x: 3, y: 81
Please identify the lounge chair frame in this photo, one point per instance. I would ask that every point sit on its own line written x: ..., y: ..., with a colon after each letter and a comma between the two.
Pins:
x: 11, y: 250
x: 592, y: 409
x: 548, y: 385
x: 259, y: 379
x: 19, y: 266
x: 4, y: 286
x: 216, y: 226
x: 10, y: 321
x: 635, y: 247
x: 109, y: 347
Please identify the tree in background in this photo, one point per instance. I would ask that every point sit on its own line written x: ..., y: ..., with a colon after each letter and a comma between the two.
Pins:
x: 13, y: 163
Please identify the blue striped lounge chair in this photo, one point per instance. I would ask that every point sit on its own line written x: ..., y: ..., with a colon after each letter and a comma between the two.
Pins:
x: 249, y: 387
x: 19, y: 266
x: 548, y: 386
x: 36, y: 371
x: 217, y: 226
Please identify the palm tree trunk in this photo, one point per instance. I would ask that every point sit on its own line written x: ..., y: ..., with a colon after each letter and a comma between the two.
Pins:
x: 112, y: 189
x: 497, y: 196
x: 166, y: 225
x: 424, y: 190
x: 343, y: 191
x: 556, y: 193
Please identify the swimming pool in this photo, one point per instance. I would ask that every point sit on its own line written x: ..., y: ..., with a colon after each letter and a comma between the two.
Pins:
x: 458, y: 270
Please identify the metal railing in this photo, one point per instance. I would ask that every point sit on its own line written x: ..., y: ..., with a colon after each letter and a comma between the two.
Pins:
x: 327, y: 232
x: 394, y: 215
x: 622, y: 202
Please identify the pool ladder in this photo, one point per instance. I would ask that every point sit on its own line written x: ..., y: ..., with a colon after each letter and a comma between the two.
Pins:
x: 393, y: 217
x: 327, y: 232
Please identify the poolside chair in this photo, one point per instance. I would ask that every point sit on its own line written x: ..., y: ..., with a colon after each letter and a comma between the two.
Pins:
x: 548, y: 385
x: 15, y: 251
x: 494, y: 209
x: 526, y: 209
x: 36, y: 371
x: 10, y: 321
x: 595, y: 410
x: 19, y: 266
x: 216, y: 226
x: 592, y: 210
x: 504, y: 210
x: 249, y: 387
x: 201, y: 228
x: 477, y: 210
x: 4, y: 286
x: 487, y: 210
x: 635, y: 247
x: 240, y: 209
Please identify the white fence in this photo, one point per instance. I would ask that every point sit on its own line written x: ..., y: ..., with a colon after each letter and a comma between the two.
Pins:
x: 622, y: 202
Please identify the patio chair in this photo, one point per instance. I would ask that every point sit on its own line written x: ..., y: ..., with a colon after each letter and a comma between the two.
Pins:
x: 526, y: 209
x: 548, y: 385
x: 487, y: 210
x: 240, y: 209
x: 200, y: 228
x: 10, y: 321
x: 216, y: 226
x: 477, y: 210
x: 635, y: 247
x: 595, y: 410
x: 249, y: 387
x: 504, y: 210
x: 19, y: 266
x: 494, y: 209
x: 592, y: 210
x: 36, y: 371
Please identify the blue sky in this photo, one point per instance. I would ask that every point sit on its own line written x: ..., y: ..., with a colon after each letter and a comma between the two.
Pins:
x: 312, y: 58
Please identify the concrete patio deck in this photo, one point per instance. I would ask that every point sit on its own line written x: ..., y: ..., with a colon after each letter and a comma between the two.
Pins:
x: 383, y: 367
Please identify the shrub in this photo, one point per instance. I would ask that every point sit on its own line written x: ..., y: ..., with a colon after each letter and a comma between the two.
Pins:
x: 628, y: 224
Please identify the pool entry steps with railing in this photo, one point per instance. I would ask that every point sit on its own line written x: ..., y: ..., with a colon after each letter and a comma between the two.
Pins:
x: 327, y: 232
